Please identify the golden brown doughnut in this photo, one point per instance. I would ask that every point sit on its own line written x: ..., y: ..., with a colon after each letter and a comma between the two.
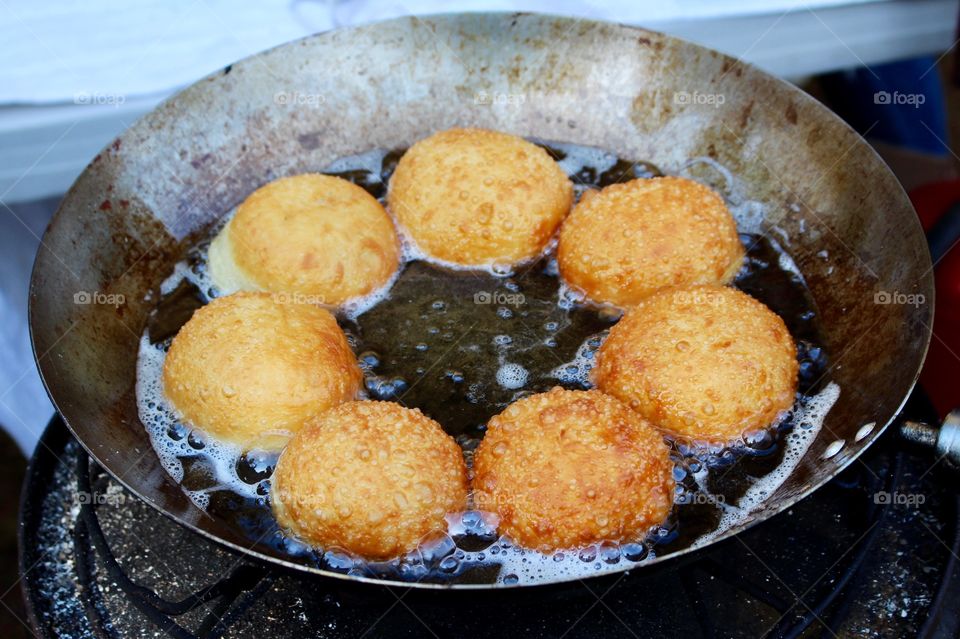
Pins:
x: 569, y: 468
x: 372, y: 478
x: 475, y: 197
x: 704, y: 363
x: 317, y: 238
x: 250, y: 370
x: 628, y: 240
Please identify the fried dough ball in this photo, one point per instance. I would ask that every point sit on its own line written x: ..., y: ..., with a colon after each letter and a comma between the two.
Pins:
x: 479, y: 198
x: 250, y: 370
x: 704, y: 363
x: 568, y: 468
x: 317, y: 237
x: 629, y: 240
x: 369, y: 477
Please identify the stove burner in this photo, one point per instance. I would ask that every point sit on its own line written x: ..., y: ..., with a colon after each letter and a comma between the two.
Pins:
x: 861, y: 557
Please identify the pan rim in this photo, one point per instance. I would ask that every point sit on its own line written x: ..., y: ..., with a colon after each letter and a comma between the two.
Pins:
x: 926, y: 283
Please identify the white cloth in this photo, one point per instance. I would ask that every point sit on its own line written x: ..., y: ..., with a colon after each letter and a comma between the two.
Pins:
x: 24, y: 406
x: 62, y: 51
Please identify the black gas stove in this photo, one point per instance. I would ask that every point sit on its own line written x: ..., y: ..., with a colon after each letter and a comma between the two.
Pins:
x: 872, y: 554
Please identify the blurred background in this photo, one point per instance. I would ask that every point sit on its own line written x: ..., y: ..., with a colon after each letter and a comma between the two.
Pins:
x: 74, y: 75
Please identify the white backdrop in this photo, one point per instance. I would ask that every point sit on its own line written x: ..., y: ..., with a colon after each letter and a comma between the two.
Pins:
x: 75, y: 74
x: 53, y: 50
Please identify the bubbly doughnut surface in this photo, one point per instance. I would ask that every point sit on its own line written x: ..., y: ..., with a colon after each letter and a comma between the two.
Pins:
x: 568, y: 468
x: 369, y: 477
x: 704, y: 363
x: 628, y: 240
x: 475, y: 197
x: 250, y: 370
x: 316, y: 236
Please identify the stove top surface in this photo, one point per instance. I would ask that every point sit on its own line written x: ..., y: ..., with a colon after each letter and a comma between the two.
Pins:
x: 872, y: 554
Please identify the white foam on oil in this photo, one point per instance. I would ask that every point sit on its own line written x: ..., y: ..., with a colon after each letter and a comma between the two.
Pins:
x: 515, y: 565
x: 568, y: 296
x: 357, y: 306
x: 196, y: 269
x: 524, y: 566
x: 371, y: 161
x: 512, y: 376
x: 172, y: 442
x: 750, y: 215
x: 725, y: 173
x: 154, y: 411
x: 578, y: 158
x: 785, y: 262
x: 509, y: 375
x: 197, y: 274
x: 809, y: 415
x: 411, y: 252
x: 577, y: 371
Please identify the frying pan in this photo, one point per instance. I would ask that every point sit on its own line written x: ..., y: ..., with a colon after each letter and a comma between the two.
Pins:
x: 146, y: 198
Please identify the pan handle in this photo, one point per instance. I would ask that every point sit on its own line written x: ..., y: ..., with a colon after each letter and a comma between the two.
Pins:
x: 945, y: 439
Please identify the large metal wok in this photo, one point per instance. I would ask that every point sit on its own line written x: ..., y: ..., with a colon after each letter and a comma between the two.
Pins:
x: 146, y: 198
